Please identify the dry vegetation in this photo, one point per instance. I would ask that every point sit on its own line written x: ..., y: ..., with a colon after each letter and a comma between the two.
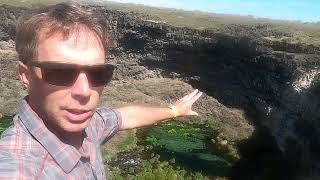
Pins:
x: 306, y: 33
x: 295, y: 31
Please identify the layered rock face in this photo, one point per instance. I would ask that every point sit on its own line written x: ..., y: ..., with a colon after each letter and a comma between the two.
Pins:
x: 275, y: 82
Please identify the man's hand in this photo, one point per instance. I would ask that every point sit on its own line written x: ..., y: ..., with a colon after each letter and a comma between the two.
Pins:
x: 184, y: 105
x: 138, y: 116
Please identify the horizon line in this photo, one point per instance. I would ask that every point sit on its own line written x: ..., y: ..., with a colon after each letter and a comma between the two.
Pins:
x: 314, y: 20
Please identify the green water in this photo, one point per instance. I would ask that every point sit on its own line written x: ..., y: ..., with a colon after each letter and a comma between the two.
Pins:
x: 189, y: 146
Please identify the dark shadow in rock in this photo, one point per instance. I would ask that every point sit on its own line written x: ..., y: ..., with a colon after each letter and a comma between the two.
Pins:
x: 261, y: 159
x: 251, y: 80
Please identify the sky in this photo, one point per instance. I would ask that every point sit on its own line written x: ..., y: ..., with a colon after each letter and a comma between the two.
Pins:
x: 302, y: 10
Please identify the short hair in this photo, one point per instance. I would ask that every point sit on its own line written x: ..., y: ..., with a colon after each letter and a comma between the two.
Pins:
x: 59, y: 18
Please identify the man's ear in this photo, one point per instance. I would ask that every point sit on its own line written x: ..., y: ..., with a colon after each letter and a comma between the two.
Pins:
x: 24, y: 74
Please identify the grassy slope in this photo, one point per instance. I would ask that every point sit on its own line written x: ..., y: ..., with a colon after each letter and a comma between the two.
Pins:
x: 298, y: 32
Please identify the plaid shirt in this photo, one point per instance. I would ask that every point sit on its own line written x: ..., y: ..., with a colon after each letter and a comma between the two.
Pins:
x: 28, y: 150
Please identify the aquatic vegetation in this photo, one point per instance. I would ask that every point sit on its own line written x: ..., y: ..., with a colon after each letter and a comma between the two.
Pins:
x: 173, y: 150
x: 178, y: 137
x: 191, y: 145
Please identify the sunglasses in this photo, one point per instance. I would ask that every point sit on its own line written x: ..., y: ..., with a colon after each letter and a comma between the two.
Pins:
x: 63, y: 74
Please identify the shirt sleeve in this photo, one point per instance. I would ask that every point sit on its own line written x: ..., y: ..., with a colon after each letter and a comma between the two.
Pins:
x: 105, y: 123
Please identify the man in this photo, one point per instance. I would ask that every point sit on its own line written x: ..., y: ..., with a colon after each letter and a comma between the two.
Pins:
x: 58, y: 128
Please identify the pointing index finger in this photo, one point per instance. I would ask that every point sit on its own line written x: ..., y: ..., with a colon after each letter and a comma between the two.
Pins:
x: 189, y: 96
x: 196, y: 97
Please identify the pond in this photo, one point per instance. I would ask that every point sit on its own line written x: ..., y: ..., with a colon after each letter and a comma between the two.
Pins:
x: 187, y: 150
x: 192, y: 146
x: 184, y: 150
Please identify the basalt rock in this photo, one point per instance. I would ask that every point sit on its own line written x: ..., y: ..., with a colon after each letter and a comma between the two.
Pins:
x: 253, y: 68
x: 274, y: 80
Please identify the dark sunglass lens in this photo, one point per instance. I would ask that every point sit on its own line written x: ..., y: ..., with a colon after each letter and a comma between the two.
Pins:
x: 100, y: 76
x: 60, y: 77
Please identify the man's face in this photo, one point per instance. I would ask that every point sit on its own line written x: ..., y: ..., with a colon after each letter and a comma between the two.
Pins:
x: 67, y: 108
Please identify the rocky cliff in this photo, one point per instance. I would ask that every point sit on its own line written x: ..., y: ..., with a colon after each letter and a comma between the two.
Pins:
x: 251, y: 68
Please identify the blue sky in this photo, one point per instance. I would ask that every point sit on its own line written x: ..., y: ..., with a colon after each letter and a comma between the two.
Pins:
x: 303, y: 10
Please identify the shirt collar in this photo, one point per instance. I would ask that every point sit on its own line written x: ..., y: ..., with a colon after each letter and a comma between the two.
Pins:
x: 65, y: 155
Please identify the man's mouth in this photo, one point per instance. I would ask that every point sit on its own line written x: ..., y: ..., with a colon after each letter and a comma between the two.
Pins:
x: 77, y: 115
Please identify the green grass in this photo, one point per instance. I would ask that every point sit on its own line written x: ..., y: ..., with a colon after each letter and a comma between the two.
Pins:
x: 124, y: 141
x: 154, y: 169
x: 5, y: 122
x: 127, y: 142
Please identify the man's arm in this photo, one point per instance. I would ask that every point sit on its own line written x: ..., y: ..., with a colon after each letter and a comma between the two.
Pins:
x: 138, y: 116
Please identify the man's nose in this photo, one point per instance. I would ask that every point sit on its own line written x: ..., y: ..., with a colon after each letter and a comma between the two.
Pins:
x: 81, y: 88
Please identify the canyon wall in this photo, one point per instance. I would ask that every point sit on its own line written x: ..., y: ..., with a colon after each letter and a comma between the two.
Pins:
x: 275, y: 82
